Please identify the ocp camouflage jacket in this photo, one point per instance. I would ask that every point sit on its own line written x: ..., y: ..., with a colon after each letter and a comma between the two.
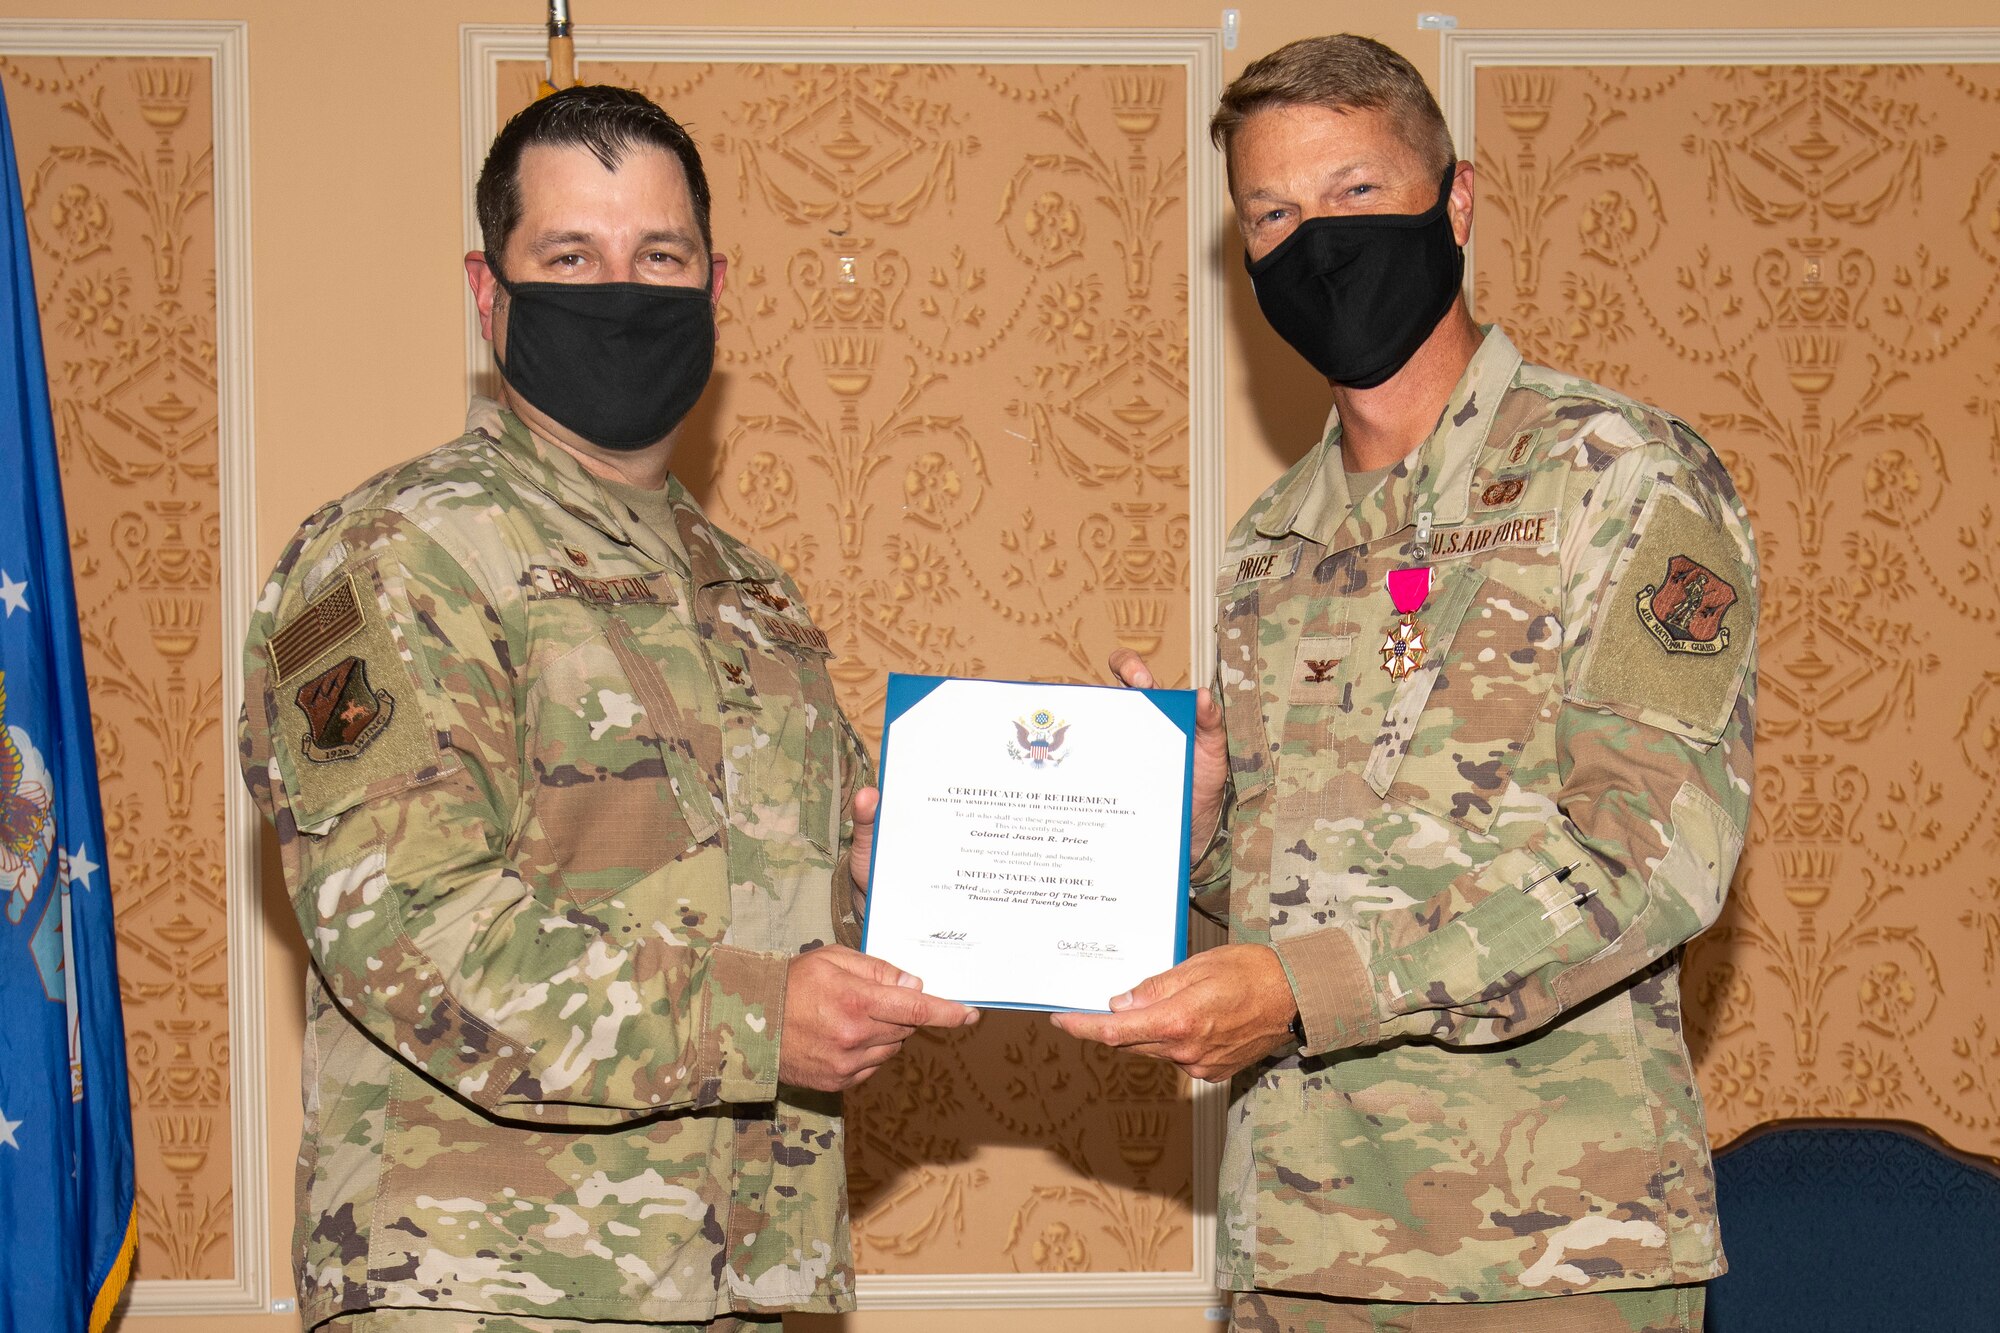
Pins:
x: 558, y: 798
x: 1494, y: 1099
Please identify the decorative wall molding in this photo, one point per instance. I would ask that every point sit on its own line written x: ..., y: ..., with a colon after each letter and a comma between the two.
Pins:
x: 225, y: 46
x: 1463, y: 52
x: 1788, y: 239
x: 484, y: 49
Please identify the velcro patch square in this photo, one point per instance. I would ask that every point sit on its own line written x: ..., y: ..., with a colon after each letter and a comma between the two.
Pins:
x: 1670, y: 642
x: 355, y: 726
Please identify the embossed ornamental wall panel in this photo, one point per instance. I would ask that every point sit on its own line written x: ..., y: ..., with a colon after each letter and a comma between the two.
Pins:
x: 954, y: 400
x: 1803, y: 260
x: 115, y: 174
x: 116, y: 139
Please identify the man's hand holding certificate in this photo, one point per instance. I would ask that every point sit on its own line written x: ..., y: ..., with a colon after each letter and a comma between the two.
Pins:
x: 1223, y: 1010
x: 1031, y: 847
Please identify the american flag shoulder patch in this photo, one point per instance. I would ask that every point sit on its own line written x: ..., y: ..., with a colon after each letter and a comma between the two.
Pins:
x: 327, y: 621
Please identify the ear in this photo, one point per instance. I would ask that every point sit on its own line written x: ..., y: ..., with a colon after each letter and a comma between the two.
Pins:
x: 1460, y: 207
x: 718, y: 270
x: 485, y: 288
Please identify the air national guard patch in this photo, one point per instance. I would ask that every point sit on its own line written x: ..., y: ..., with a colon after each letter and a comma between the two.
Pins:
x: 1685, y: 610
x: 345, y: 712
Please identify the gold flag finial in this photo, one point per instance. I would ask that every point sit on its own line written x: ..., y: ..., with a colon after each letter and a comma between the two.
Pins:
x: 562, y: 51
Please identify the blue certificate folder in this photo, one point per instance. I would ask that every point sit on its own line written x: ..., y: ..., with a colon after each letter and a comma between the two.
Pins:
x: 1032, y: 747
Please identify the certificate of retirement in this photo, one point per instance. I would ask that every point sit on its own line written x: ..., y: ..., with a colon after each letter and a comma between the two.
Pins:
x: 1031, y: 850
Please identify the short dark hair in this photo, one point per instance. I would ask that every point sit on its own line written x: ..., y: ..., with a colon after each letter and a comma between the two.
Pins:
x: 610, y: 122
x: 1338, y: 72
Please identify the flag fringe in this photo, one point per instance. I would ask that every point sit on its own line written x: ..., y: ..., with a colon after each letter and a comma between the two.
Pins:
x: 114, y: 1281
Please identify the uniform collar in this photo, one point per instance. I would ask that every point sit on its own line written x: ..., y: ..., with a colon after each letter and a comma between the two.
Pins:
x: 1435, y: 478
x: 702, y: 553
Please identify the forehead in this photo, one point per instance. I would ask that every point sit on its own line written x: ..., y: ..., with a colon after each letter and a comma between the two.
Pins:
x: 564, y: 185
x: 1290, y: 142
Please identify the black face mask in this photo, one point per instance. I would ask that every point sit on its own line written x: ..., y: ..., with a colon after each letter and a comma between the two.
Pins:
x: 1357, y: 296
x: 619, y: 363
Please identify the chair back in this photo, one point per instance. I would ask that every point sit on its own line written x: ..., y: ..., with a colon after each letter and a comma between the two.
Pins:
x: 1874, y: 1226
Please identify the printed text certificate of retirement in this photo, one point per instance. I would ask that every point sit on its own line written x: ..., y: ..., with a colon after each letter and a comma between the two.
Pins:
x: 1031, y: 846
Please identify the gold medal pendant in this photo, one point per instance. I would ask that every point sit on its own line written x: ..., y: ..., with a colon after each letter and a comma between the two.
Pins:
x: 1403, y: 651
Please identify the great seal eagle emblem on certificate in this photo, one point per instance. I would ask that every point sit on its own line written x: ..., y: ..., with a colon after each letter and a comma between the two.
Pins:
x: 1038, y: 739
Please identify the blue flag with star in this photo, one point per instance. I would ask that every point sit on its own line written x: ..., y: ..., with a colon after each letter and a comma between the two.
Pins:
x: 66, y: 1193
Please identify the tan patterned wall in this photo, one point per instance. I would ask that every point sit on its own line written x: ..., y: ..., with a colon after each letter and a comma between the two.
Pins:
x: 115, y: 165
x: 1804, y: 262
x: 953, y: 401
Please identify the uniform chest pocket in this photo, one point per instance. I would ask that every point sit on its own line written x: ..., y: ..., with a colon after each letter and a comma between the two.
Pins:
x: 1240, y: 681
x: 781, y: 739
x: 1453, y: 730
x: 614, y: 787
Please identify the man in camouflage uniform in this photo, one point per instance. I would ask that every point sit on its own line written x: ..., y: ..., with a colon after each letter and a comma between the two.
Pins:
x: 1481, y: 763
x: 562, y: 788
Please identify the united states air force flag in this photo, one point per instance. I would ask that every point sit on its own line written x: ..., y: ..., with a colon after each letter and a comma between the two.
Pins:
x: 66, y: 1197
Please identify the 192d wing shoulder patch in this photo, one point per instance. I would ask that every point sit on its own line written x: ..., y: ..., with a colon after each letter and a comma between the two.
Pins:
x: 1673, y: 635
x: 346, y: 713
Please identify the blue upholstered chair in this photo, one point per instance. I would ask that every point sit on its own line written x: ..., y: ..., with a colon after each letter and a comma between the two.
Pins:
x: 1873, y: 1226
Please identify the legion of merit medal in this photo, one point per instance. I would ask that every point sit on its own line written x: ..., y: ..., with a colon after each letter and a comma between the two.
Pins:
x: 1403, y: 651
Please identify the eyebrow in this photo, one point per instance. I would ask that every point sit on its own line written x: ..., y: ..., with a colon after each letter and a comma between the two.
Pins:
x: 550, y: 240
x: 555, y: 240
x: 671, y: 237
x: 1333, y: 180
